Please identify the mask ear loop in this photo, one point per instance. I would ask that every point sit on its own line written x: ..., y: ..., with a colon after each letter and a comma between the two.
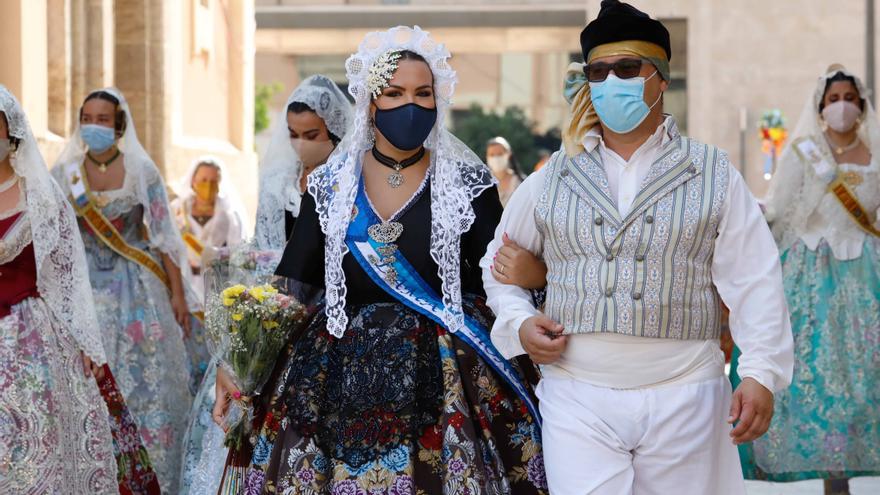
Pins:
x: 658, y: 96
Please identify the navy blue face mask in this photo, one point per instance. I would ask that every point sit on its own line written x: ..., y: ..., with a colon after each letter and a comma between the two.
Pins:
x: 406, y: 127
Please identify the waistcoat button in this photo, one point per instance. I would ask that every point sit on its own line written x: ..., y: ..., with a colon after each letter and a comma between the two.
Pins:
x: 640, y: 258
x: 609, y: 292
x: 609, y: 257
x: 692, y: 170
x: 598, y: 221
x: 637, y: 295
x: 649, y: 219
x: 564, y: 172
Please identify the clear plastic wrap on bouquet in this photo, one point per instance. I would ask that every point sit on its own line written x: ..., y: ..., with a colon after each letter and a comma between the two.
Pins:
x: 247, y: 321
x: 224, y: 267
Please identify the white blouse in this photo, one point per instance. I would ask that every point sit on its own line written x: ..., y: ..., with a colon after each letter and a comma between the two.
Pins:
x: 830, y: 220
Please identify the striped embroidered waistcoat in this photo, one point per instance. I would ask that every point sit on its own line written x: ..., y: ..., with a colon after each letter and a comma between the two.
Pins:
x: 647, y: 274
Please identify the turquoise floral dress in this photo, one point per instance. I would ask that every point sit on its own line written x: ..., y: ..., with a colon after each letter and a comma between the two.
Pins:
x: 827, y: 424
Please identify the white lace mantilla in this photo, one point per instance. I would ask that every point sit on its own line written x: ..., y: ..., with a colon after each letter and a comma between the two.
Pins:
x: 62, y: 273
x: 15, y: 239
x: 281, y: 169
x: 458, y: 175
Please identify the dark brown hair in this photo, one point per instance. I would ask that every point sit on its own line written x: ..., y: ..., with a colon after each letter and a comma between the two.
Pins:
x: 411, y: 55
x: 119, y: 121
x: 14, y: 141
x: 840, y: 77
x: 300, y: 107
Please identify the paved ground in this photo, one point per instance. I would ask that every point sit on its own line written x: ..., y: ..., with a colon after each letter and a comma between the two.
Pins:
x: 857, y: 486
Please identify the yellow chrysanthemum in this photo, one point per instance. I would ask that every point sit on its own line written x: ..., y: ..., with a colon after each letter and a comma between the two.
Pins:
x: 234, y: 291
x: 228, y: 301
x: 270, y: 324
x: 237, y: 316
x: 258, y: 293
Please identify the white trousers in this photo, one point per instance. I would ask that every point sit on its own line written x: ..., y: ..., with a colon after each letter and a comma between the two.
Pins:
x: 666, y: 440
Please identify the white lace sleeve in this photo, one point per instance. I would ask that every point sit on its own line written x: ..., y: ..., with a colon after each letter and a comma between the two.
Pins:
x: 63, y: 282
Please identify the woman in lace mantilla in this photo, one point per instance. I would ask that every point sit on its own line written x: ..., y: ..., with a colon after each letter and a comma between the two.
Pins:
x: 315, y: 118
x: 390, y: 387
x: 111, y: 179
x: 54, y: 433
x: 826, y: 425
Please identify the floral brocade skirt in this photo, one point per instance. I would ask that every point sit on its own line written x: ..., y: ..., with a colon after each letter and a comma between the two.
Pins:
x: 398, y: 405
x: 54, y: 431
x: 827, y: 423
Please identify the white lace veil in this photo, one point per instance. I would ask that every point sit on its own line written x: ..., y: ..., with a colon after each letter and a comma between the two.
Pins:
x: 458, y: 175
x: 795, y: 190
x: 228, y: 200
x: 164, y: 235
x: 62, y: 272
x: 280, y: 168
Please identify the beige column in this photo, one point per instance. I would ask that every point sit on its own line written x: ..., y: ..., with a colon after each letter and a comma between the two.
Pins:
x: 92, y: 47
x: 242, y: 27
x: 60, y: 40
x: 141, y: 70
x: 24, y: 67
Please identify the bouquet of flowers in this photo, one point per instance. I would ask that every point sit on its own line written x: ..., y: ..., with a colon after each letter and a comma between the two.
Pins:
x: 249, y: 327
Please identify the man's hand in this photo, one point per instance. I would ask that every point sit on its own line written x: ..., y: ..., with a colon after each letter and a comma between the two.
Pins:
x: 514, y: 265
x: 542, y: 338
x: 752, y: 406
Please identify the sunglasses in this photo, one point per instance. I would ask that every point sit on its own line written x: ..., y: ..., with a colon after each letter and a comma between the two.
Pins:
x: 624, y: 68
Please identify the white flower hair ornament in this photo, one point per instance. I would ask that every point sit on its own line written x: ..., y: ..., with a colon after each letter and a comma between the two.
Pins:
x: 457, y: 175
x: 382, y: 71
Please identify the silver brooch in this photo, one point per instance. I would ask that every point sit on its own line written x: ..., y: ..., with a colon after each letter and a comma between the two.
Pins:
x: 385, y: 232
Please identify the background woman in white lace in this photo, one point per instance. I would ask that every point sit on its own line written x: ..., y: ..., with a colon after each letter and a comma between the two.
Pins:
x: 208, y: 212
x: 316, y: 117
x: 827, y: 423
x: 391, y: 387
x: 54, y: 433
x: 143, y: 322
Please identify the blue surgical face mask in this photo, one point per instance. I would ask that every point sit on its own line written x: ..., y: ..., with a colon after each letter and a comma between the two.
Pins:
x: 97, y: 137
x: 620, y: 103
x: 406, y: 127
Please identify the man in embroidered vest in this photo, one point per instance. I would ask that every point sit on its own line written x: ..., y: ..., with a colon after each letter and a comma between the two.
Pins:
x: 644, y: 233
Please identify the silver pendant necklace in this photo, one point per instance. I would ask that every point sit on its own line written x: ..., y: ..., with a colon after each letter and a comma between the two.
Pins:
x: 396, y: 178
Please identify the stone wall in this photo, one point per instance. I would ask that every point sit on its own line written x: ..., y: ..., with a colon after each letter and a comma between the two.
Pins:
x: 57, y: 51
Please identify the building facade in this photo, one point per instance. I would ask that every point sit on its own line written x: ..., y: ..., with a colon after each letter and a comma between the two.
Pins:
x: 731, y: 60
x: 185, y: 66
